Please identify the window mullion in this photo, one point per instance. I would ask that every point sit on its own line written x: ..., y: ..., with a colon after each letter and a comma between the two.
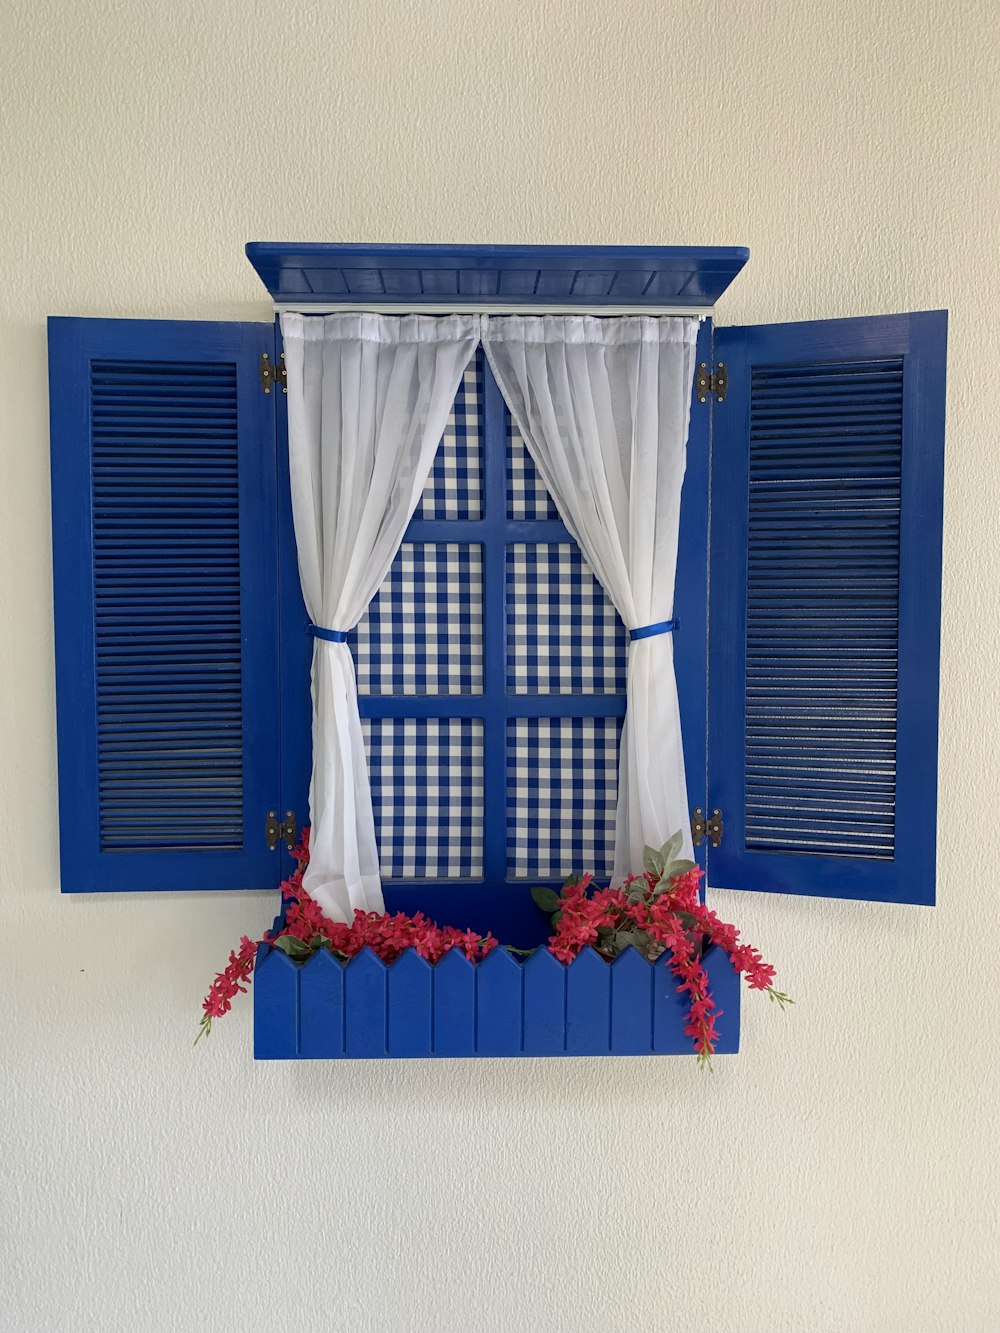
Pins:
x: 494, y: 540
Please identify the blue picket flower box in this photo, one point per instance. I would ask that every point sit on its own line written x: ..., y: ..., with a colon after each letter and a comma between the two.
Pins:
x: 366, y: 1009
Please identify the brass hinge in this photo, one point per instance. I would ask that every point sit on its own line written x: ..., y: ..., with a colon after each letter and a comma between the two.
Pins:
x: 273, y: 374
x: 711, y: 381
x: 703, y: 827
x: 287, y: 831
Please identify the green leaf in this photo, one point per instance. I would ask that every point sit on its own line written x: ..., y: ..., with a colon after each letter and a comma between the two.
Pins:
x: 653, y: 861
x: 546, y: 899
x: 637, y: 938
x: 570, y: 879
x: 295, y: 948
x: 671, y: 847
x: 676, y: 868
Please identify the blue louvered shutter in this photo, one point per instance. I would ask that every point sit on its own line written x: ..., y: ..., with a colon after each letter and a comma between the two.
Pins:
x: 825, y: 607
x: 165, y: 581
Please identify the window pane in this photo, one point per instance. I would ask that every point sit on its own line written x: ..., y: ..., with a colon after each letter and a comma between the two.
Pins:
x: 562, y: 784
x: 563, y: 634
x: 427, y: 792
x: 423, y: 633
x: 527, y: 498
x: 454, y: 488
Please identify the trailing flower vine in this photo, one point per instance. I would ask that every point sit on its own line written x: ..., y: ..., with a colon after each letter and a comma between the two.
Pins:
x: 657, y: 912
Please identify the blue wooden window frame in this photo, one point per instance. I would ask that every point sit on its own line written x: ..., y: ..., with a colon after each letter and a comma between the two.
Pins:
x: 499, y: 902
x: 494, y: 533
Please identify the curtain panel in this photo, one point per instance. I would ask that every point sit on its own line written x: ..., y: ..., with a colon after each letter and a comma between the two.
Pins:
x: 368, y: 401
x: 603, y: 405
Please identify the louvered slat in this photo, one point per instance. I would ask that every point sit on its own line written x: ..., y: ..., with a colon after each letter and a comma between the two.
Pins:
x: 822, y: 607
x: 167, y: 605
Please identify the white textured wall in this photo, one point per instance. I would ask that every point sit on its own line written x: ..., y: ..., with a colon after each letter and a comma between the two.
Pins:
x: 841, y: 1175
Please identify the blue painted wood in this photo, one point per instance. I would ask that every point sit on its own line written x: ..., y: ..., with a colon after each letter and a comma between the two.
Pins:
x: 632, y: 1004
x: 470, y: 275
x: 365, y: 1002
x: 726, y: 986
x: 670, y: 1007
x: 544, y: 1005
x: 493, y: 703
x: 826, y: 607
x: 163, y: 500
x: 506, y: 909
x: 409, y: 1007
x: 296, y: 644
x: 690, y: 641
x: 516, y: 705
x: 499, y: 1005
x: 276, y: 1006
x: 588, y: 1005
x: 321, y: 1012
x: 476, y: 529
x: 669, y: 1013
x: 454, y: 1006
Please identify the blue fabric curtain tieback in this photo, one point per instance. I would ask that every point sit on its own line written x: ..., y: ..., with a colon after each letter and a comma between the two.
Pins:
x: 329, y: 635
x: 650, y: 631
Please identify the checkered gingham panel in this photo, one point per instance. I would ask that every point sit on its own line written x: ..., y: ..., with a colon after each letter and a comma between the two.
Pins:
x: 562, y: 787
x: 563, y: 634
x: 423, y: 632
x: 427, y: 791
x: 455, y: 487
x: 527, y: 497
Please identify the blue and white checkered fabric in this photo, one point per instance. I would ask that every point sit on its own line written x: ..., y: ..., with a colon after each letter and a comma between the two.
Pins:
x: 423, y: 632
x: 562, y: 786
x: 423, y: 636
x: 427, y: 792
x: 455, y: 487
x: 563, y: 634
x: 527, y: 497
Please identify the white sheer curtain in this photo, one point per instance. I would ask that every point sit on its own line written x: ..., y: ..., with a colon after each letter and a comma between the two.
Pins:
x: 368, y: 401
x: 603, y: 406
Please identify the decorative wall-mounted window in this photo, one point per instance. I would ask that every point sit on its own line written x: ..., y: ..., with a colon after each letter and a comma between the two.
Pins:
x: 490, y: 663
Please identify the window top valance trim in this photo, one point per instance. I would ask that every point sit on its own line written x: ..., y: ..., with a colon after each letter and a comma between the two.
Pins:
x: 496, y: 279
x: 579, y: 329
x: 369, y: 326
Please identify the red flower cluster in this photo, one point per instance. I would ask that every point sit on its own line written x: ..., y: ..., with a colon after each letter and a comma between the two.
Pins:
x: 306, y: 929
x: 387, y: 936
x: 228, y: 984
x: 657, y: 914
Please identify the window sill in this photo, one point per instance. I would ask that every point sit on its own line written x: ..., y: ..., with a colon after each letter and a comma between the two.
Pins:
x: 364, y: 1009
